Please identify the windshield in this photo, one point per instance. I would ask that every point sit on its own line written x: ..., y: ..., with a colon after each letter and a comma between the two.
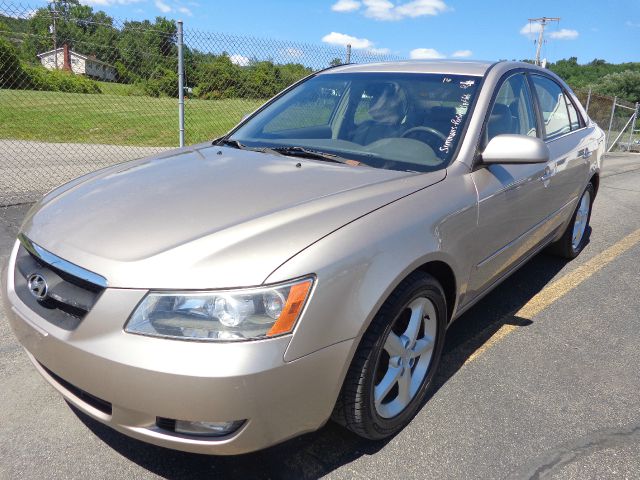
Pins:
x: 397, y: 121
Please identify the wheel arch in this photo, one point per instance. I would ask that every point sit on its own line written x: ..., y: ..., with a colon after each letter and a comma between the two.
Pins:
x: 446, y: 277
x: 595, y: 181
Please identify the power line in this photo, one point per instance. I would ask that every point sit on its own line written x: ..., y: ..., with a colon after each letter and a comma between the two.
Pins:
x: 543, y: 22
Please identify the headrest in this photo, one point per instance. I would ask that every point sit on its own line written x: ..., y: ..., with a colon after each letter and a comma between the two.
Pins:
x: 389, y: 103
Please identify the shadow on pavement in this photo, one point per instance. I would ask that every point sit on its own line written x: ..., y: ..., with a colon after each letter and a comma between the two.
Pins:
x: 316, y: 454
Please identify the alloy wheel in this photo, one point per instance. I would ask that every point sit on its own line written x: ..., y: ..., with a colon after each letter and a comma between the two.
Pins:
x: 405, y: 358
x: 580, y: 223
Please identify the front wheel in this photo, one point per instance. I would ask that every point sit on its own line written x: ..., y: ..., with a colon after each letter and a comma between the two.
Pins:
x: 576, y: 235
x: 396, y: 360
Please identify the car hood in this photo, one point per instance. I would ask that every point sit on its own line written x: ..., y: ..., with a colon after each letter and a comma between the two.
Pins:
x: 208, y: 217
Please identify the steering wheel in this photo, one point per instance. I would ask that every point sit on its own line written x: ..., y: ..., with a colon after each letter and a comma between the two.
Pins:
x: 429, y: 130
x: 435, y: 137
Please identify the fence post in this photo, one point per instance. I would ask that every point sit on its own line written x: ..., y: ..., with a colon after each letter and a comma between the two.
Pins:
x: 588, y: 101
x: 633, y: 124
x: 348, y: 53
x: 613, y: 110
x: 180, y: 83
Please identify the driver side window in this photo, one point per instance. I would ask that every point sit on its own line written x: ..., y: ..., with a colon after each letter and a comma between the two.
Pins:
x: 512, y: 111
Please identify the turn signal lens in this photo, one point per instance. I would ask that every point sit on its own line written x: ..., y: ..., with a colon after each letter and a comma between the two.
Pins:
x: 295, y: 301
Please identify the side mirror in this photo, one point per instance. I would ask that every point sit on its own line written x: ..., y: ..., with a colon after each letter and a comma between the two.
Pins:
x: 509, y: 148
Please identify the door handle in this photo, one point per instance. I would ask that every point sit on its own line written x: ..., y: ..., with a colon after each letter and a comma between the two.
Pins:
x: 548, y: 173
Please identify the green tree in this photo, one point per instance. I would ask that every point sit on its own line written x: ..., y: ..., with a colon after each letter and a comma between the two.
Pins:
x: 219, y: 77
x: 4, y: 29
x: 580, y: 76
x: 623, y: 84
x: 12, y: 75
x: 292, y: 72
x: 85, y: 31
x: 143, y: 46
x: 162, y: 83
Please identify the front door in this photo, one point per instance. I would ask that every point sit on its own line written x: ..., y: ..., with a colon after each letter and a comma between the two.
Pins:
x: 513, y: 199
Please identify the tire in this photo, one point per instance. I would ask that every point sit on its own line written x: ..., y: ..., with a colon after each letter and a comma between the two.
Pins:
x: 567, y: 246
x: 373, y: 368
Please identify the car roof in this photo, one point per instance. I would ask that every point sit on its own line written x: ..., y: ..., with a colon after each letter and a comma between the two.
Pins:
x: 453, y: 67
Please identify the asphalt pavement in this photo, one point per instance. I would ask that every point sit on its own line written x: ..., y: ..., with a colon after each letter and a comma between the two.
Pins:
x: 28, y: 169
x: 539, y: 380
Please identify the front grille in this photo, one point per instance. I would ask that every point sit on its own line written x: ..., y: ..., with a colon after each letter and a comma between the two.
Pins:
x: 68, y: 299
x: 86, y: 397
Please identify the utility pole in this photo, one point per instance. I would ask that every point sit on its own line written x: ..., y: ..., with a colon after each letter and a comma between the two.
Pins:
x: 52, y: 28
x: 543, y: 22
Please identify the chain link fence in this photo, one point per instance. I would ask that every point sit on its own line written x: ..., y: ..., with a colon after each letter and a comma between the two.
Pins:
x: 617, y: 117
x: 80, y: 90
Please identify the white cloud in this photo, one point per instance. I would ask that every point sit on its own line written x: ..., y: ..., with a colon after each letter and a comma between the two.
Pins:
x: 379, y: 51
x: 564, y: 34
x: 387, y: 10
x: 345, y: 6
x: 531, y: 30
x: 342, y: 39
x: 186, y: 11
x: 419, y: 8
x: 462, y: 53
x: 239, y: 60
x: 425, y: 53
x: 163, y: 7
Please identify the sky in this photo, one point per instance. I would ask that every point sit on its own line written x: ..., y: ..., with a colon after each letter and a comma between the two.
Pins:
x: 474, y: 29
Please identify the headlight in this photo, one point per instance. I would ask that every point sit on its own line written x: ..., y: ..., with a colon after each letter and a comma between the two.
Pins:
x: 230, y: 315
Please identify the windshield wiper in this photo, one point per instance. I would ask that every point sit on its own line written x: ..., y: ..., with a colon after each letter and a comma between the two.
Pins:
x: 295, y: 151
x: 230, y: 143
x: 292, y: 151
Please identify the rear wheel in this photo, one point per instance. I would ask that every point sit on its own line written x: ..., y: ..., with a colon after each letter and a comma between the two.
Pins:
x: 396, y: 360
x: 576, y: 235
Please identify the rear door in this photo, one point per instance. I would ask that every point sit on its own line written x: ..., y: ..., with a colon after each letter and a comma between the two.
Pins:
x: 513, y: 199
x: 571, y: 144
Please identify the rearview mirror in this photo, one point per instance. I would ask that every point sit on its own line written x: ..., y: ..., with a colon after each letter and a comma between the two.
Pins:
x: 510, y: 148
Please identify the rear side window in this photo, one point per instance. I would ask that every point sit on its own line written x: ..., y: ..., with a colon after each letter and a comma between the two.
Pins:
x: 573, y: 114
x: 512, y: 111
x: 553, y: 106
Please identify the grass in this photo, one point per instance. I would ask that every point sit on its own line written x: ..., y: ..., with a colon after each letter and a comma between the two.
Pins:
x: 111, y: 88
x: 113, y: 118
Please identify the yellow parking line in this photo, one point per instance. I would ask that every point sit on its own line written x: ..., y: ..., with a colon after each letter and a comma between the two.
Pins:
x: 559, y: 289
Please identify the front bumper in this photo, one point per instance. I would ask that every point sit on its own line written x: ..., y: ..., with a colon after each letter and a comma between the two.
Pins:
x: 142, y: 378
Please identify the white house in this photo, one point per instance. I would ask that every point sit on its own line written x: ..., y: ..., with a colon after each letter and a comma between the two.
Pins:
x: 77, y: 63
